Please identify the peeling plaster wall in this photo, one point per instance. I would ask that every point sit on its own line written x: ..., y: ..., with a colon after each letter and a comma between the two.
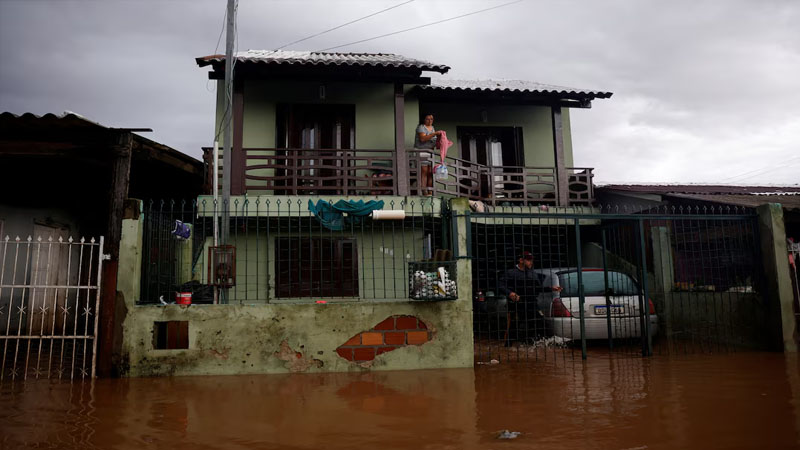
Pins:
x: 229, y: 339
x: 288, y: 337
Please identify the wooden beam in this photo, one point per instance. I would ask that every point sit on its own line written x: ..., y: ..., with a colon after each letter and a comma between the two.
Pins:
x: 238, y: 160
x: 401, y: 156
x: 562, y: 181
x: 120, y: 180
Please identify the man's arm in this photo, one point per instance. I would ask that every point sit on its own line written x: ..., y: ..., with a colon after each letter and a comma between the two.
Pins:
x: 503, y: 287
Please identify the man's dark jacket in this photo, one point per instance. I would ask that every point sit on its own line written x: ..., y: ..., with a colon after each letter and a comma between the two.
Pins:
x: 523, y: 282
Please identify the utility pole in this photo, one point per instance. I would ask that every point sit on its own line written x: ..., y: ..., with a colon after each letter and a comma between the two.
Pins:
x: 227, y: 123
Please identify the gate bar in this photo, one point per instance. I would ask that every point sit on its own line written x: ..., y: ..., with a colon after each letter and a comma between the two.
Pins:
x: 647, y: 347
x: 581, y: 298
x: 605, y: 290
x: 101, y: 257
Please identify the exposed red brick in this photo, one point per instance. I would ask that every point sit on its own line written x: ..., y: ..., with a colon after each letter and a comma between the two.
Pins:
x: 382, y: 350
x: 422, y: 325
x: 371, y: 339
x: 417, y: 337
x: 364, y: 354
x: 298, y: 355
x: 394, y: 338
x: 355, y: 340
x: 406, y: 323
x: 387, y: 324
x: 346, y: 353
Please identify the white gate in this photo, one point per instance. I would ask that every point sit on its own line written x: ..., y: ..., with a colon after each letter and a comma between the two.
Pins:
x: 49, y: 298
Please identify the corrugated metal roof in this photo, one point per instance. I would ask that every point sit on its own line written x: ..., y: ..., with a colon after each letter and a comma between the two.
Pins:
x: 704, y: 189
x: 326, y: 59
x: 70, y: 121
x: 512, y: 86
x: 67, y: 119
x: 787, y: 201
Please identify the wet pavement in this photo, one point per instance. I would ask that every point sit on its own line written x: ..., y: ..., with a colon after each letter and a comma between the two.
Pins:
x: 744, y: 400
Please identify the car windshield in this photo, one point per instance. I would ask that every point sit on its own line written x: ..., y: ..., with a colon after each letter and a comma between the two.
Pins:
x: 594, y: 283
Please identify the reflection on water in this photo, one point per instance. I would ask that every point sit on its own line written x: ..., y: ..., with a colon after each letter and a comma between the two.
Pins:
x: 730, y: 401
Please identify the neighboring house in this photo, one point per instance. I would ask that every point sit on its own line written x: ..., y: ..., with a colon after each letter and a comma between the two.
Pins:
x: 64, y: 176
x: 719, y: 197
x: 714, y: 199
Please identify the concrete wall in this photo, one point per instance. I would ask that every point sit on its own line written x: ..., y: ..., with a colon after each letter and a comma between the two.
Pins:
x: 295, y: 337
x: 228, y: 339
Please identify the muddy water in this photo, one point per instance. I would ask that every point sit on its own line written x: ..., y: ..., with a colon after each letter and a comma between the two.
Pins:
x: 723, y: 401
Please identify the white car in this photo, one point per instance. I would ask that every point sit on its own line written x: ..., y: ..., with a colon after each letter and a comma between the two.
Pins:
x: 561, y: 308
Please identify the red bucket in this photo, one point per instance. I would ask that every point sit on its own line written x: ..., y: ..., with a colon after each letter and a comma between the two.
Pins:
x: 183, y: 298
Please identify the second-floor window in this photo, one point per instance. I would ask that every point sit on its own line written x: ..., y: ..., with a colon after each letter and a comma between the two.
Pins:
x: 316, y: 127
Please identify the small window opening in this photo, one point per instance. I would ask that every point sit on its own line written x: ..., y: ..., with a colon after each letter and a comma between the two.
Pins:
x: 171, y: 335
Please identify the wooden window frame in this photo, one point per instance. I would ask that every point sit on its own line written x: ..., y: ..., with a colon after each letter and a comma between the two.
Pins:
x: 316, y: 267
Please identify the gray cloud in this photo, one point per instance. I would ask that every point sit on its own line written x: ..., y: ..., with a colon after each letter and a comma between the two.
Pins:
x: 704, y: 90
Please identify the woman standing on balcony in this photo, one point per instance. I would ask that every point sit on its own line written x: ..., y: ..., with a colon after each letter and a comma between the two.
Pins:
x: 425, y: 140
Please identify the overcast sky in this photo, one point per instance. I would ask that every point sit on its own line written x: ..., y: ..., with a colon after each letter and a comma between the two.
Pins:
x: 704, y: 91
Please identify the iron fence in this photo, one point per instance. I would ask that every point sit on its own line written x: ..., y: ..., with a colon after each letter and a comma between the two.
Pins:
x: 287, y: 249
x: 654, y: 279
x: 49, y: 299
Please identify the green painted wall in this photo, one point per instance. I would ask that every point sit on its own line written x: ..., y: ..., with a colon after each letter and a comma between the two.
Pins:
x: 374, y: 104
x: 382, y: 264
x: 374, y: 109
x: 536, y: 123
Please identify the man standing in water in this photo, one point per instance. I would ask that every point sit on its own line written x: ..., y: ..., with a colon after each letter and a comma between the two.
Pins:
x: 521, y: 287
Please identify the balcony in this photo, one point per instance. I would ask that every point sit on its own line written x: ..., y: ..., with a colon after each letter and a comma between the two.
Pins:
x: 274, y: 171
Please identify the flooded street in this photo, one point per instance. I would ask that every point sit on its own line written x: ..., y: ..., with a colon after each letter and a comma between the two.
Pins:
x: 703, y: 401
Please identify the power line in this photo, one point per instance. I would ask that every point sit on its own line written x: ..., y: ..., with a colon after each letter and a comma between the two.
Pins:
x: 768, y: 169
x: 773, y: 169
x: 438, y: 22
x: 344, y: 24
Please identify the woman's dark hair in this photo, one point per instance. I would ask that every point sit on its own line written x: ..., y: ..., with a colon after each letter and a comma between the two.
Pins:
x: 422, y: 117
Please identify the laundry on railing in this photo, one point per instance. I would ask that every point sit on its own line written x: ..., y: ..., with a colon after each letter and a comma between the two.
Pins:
x: 440, y: 170
x: 332, y: 216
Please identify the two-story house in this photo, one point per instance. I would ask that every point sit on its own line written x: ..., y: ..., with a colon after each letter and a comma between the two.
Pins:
x: 307, y: 278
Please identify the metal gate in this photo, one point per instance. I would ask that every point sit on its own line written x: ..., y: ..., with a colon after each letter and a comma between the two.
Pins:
x: 49, y: 299
x: 663, y: 281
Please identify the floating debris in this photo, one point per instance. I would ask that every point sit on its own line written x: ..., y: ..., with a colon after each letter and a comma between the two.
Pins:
x: 505, y: 434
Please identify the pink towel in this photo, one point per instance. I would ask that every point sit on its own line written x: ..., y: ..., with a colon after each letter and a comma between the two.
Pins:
x: 443, y: 144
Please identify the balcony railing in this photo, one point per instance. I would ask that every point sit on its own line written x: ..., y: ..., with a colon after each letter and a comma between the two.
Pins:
x: 373, y: 172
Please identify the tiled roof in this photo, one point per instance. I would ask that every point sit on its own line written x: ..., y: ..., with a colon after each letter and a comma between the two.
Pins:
x: 326, y: 59
x: 518, y: 86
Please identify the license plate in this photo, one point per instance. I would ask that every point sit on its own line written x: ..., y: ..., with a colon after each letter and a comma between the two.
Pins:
x: 616, y: 310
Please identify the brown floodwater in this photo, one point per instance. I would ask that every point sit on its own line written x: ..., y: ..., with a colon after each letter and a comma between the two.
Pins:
x: 744, y: 400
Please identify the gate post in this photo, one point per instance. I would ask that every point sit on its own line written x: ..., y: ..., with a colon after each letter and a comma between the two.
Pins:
x: 459, y: 216
x: 664, y: 272
x: 129, y: 274
x: 774, y: 258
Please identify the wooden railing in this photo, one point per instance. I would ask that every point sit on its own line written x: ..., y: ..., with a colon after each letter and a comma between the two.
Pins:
x: 373, y: 172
